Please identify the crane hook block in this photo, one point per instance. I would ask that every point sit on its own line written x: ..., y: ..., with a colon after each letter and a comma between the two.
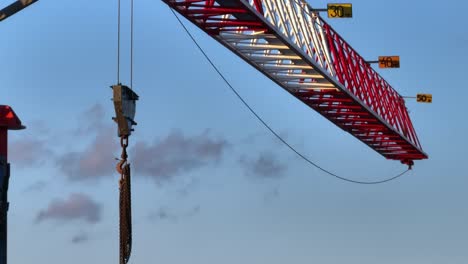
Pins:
x: 124, y: 103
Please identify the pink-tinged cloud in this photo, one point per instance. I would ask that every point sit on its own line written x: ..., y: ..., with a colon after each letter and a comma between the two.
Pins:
x: 177, y: 154
x: 77, y: 206
x: 29, y: 152
x: 173, y: 155
x: 95, y: 161
x: 266, y: 165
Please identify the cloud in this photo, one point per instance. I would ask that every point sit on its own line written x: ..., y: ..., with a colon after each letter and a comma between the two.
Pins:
x: 163, y: 213
x: 78, y: 206
x: 188, y: 186
x: 39, y: 127
x: 79, y: 238
x: 29, y: 152
x: 271, y: 195
x: 264, y: 136
x: 193, y: 211
x: 36, y: 187
x: 91, y: 120
x: 177, y: 154
x: 265, y: 166
x: 97, y: 160
x: 161, y: 160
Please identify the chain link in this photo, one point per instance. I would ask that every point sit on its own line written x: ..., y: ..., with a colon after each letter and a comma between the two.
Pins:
x: 125, y: 209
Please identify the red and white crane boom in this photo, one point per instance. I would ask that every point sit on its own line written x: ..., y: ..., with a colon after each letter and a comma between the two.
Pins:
x: 298, y: 50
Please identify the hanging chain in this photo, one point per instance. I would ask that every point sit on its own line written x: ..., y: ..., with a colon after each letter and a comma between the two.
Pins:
x: 125, y: 201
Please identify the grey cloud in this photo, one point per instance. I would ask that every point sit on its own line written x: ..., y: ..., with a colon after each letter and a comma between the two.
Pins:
x: 266, y: 165
x: 29, y: 152
x: 188, y: 186
x: 264, y: 136
x: 78, y: 206
x: 91, y: 120
x: 163, y: 213
x: 177, y: 154
x: 271, y: 195
x: 97, y: 160
x: 80, y: 238
x: 38, y: 126
x: 193, y: 211
x: 36, y: 187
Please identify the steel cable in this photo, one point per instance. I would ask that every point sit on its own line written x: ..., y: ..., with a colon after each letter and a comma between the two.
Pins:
x: 118, y: 41
x: 131, y: 46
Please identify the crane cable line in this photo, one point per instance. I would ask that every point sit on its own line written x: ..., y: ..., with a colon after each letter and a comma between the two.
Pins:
x: 131, y: 41
x: 131, y: 45
x: 328, y: 172
x: 118, y: 41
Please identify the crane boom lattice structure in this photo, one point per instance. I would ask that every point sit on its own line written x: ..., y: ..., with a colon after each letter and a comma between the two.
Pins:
x: 297, y: 49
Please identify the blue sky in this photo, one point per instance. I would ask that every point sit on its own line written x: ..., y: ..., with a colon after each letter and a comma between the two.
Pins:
x: 246, y: 198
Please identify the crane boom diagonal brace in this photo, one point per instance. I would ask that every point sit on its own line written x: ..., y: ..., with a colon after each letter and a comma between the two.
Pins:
x: 299, y: 51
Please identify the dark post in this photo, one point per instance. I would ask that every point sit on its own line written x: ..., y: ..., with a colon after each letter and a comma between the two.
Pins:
x: 8, y: 121
x: 4, y: 177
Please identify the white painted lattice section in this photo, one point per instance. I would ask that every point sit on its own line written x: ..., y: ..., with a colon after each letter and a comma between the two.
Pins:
x: 270, y: 55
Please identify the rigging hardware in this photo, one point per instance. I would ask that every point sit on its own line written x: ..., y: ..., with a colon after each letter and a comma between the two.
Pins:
x: 125, y: 105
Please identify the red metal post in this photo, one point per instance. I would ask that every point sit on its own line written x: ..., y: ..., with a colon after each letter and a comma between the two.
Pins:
x: 3, y: 144
x: 8, y: 121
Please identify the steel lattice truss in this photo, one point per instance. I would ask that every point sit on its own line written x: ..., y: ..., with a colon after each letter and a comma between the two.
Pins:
x: 299, y: 51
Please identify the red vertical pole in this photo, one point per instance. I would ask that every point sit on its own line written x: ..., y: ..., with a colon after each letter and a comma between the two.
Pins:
x: 4, y: 179
x: 8, y: 121
x: 4, y: 144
